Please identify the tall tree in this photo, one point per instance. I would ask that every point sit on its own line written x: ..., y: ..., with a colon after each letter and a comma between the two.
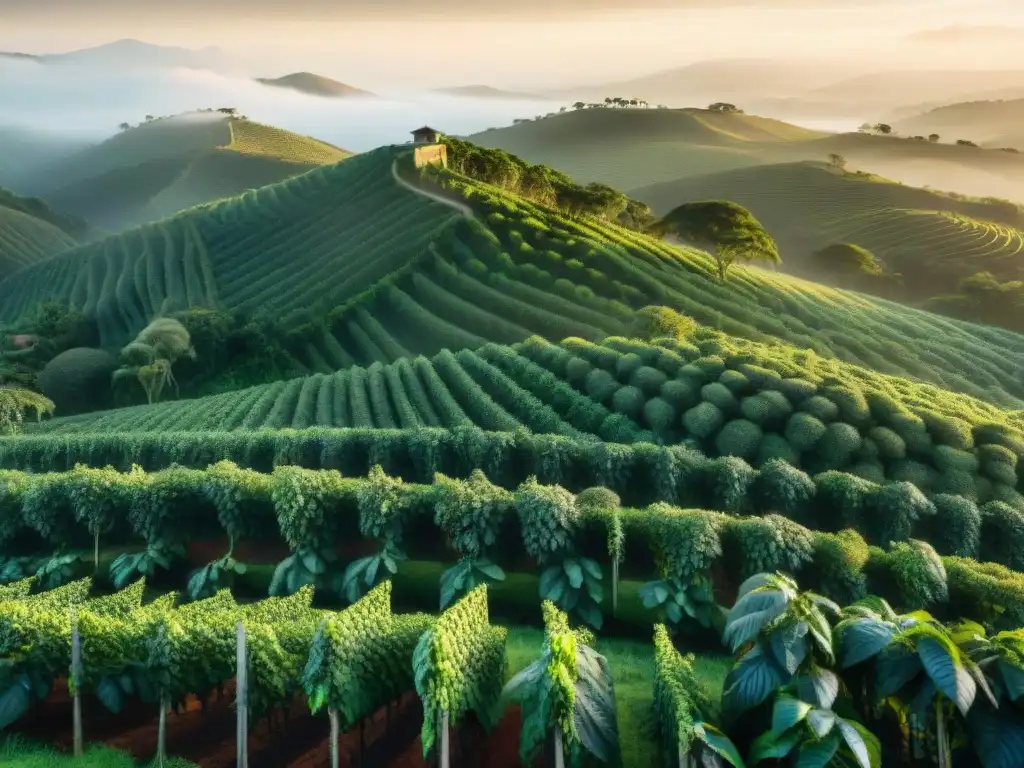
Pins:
x: 725, y: 229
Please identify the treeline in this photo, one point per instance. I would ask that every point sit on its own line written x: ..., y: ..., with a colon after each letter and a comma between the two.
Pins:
x: 543, y: 184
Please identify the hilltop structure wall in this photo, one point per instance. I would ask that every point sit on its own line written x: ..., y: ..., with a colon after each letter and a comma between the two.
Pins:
x: 433, y: 154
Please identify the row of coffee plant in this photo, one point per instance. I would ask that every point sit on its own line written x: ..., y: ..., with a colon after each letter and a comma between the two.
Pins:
x: 640, y: 473
x: 814, y: 684
x: 351, y: 663
x: 573, y: 539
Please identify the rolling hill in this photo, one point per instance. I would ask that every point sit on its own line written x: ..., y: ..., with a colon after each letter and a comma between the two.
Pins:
x: 31, y: 231
x: 809, y: 206
x: 501, y: 378
x: 633, y: 148
x: 630, y: 148
x: 29, y: 152
x: 994, y: 124
x: 166, y: 165
x: 388, y: 272
x: 314, y: 85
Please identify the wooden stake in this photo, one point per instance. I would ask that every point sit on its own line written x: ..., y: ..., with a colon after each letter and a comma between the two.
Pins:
x: 161, y: 734
x: 615, y: 586
x: 76, y: 676
x: 242, y: 696
x: 332, y: 713
x: 445, y: 746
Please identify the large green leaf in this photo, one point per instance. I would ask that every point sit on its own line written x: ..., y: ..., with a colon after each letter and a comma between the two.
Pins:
x: 896, y: 667
x: 14, y: 702
x: 787, y: 712
x: 654, y: 593
x: 820, y: 687
x: 718, y: 743
x: 862, y: 639
x: 742, y: 628
x: 789, y: 646
x: 997, y: 737
x: 822, y: 721
x: 863, y: 744
x: 818, y: 754
x: 110, y: 694
x: 575, y: 573
x: 751, y: 681
x: 769, y: 747
x: 949, y: 676
x: 1013, y: 679
x: 594, y: 707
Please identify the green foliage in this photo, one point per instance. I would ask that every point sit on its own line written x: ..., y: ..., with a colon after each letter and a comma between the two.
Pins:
x: 569, y: 688
x: 683, y: 714
x: 727, y: 228
x: 653, y: 322
x: 78, y: 380
x: 14, y: 402
x: 459, y: 666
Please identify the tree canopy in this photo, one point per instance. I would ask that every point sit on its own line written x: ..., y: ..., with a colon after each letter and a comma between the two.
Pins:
x: 849, y: 258
x: 725, y: 229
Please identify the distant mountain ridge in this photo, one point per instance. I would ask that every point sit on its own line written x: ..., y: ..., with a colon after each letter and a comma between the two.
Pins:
x: 314, y: 85
x: 488, y: 92
x: 135, y: 53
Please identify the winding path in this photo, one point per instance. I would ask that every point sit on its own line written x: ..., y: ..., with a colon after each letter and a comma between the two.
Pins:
x: 462, y: 208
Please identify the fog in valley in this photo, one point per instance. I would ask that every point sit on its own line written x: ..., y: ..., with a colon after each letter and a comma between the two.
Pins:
x: 89, y: 103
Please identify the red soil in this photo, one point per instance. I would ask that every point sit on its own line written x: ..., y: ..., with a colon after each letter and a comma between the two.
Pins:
x: 207, y: 736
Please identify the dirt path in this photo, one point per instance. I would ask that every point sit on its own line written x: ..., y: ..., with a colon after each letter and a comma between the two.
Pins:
x: 462, y: 208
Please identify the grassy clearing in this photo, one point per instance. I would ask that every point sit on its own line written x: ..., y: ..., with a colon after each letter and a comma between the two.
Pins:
x: 19, y: 753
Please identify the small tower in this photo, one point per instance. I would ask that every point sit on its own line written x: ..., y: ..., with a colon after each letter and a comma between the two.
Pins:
x: 426, y: 135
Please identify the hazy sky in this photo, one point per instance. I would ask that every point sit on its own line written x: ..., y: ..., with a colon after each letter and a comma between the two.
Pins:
x: 524, y: 43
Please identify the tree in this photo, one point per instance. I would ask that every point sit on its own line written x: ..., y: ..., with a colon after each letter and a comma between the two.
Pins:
x: 933, y: 137
x: 150, y: 356
x: 965, y: 143
x: 232, y: 111
x: 124, y: 126
x: 883, y: 128
x: 721, y: 106
x: 837, y: 161
x: 14, y: 402
x: 150, y: 118
x: 579, y: 105
x: 724, y: 228
x: 850, y: 259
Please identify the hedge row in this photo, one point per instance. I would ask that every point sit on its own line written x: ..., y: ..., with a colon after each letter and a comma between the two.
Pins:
x: 640, y: 474
x: 315, y: 511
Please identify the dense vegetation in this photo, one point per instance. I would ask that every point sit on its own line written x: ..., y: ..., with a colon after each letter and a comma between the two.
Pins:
x: 392, y: 402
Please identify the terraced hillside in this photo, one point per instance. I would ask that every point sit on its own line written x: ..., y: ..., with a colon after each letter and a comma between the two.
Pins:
x: 722, y: 396
x: 31, y: 231
x: 166, y: 165
x: 934, y: 240
x: 633, y: 148
x: 387, y: 272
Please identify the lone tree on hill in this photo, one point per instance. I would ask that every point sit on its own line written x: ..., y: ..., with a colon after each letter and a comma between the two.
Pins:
x: 933, y: 137
x: 124, y: 126
x: 837, y: 161
x: 883, y: 128
x: 579, y: 105
x: 965, y: 143
x: 725, y: 229
x: 721, y: 106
